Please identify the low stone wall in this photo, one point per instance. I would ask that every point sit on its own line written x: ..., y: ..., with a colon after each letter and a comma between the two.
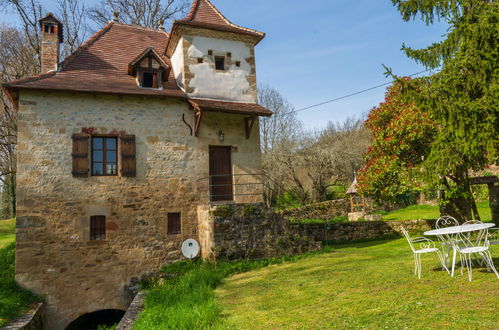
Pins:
x: 363, y: 230
x: 323, y: 211
x: 132, y: 312
x: 252, y: 231
x: 32, y: 320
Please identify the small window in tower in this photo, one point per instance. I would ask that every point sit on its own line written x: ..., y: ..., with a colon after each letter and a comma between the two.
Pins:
x: 210, y: 52
x: 220, y: 62
x: 46, y: 28
x: 229, y: 54
x: 52, y: 29
x: 150, y: 79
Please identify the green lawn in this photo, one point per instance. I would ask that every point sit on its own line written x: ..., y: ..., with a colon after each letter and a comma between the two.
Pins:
x: 361, y: 285
x: 430, y: 212
x: 7, y: 231
x: 14, y: 300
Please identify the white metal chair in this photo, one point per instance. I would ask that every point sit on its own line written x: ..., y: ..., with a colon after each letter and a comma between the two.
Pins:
x: 443, y: 222
x: 467, y: 248
x: 426, y: 245
x: 494, y: 236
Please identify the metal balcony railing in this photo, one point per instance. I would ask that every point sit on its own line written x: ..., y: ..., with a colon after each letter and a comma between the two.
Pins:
x: 228, y: 187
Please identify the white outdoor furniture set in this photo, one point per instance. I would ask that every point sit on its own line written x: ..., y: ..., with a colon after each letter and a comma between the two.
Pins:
x: 470, y: 240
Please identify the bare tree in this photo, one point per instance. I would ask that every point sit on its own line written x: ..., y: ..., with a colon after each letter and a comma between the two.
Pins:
x: 146, y: 13
x: 72, y: 14
x: 331, y: 156
x: 281, y: 136
x: 29, y: 12
x: 17, y: 60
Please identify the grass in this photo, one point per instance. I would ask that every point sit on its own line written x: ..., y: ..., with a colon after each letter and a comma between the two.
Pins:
x: 184, y: 298
x: 362, y: 285
x: 311, y: 221
x: 7, y: 231
x: 14, y: 300
x: 430, y: 212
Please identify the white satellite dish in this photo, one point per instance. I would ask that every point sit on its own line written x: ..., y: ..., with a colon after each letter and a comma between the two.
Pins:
x: 190, y: 248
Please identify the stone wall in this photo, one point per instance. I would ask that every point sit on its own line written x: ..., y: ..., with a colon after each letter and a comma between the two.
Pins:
x: 54, y: 256
x: 323, y: 211
x: 132, y: 313
x: 32, y: 320
x: 252, y: 231
x: 363, y: 230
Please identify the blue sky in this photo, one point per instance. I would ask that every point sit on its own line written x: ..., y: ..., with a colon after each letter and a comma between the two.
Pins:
x: 316, y: 50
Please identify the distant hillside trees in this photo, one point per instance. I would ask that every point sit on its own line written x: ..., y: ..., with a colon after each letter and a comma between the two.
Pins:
x: 303, y: 166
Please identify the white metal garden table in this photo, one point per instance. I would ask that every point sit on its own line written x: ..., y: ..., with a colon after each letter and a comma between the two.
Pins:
x: 449, y: 232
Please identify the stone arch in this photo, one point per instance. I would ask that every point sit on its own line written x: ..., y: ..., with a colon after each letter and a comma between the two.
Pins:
x: 91, y: 320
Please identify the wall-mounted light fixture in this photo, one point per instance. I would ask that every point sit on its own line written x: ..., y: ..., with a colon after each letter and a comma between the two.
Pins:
x: 221, y: 136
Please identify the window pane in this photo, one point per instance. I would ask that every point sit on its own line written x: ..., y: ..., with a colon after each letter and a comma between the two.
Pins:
x: 97, y: 169
x: 111, y: 156
x: 97, y: 143
x: 111, y: 143
x: 97, y: 156
x: 147, y: 79
x: 110, y: 168
x: 220, y: 63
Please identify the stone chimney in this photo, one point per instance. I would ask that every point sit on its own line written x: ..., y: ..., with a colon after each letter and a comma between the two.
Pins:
x: 52, y: 37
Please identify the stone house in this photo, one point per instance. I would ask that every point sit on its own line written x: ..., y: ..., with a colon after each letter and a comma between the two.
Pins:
x: 122, y: 148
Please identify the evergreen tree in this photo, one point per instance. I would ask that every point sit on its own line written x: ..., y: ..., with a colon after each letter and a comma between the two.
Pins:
x: 461, y: 97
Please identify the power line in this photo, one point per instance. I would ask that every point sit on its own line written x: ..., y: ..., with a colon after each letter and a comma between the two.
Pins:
x: 352, y: 94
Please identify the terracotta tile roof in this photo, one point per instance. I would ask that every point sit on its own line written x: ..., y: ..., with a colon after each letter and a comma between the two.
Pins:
x: 204, y: 14
x: 230, y: 107
x: 101, y: 64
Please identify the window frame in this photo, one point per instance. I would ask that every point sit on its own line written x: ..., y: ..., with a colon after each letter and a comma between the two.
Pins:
x: 97, y: 230
x: 223, y: 63
x: 157, y: 72
x: 168, y: 226
x: 104, y: 161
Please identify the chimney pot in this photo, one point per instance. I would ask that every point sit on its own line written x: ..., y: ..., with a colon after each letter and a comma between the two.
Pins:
x: 116, y: 18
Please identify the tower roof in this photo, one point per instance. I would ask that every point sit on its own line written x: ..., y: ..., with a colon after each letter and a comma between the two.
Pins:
x: 204, y: 14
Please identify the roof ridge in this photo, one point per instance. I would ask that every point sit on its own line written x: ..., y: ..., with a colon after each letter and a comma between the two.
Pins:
x: 142, y: 28
x: 87, y: 44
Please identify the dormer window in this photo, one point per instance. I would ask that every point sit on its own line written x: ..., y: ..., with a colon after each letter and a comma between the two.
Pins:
x: 149, y: 69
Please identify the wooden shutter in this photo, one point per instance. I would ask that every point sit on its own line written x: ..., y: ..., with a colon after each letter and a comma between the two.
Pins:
x: 80, y: 155
x: 155, y: 80
x: 127, y: 149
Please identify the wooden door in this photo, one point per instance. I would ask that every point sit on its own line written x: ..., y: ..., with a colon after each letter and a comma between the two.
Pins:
x: 221, y: 174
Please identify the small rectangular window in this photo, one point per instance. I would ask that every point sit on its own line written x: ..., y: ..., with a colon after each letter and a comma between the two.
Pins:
x: 200, y: 60
x: 97, y: 228
x: 174, y: 224
x: 238, y: 63
x: 219, y: 62
x: 104, y: 158
x: 46, y: 28
x: 150, y: 79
